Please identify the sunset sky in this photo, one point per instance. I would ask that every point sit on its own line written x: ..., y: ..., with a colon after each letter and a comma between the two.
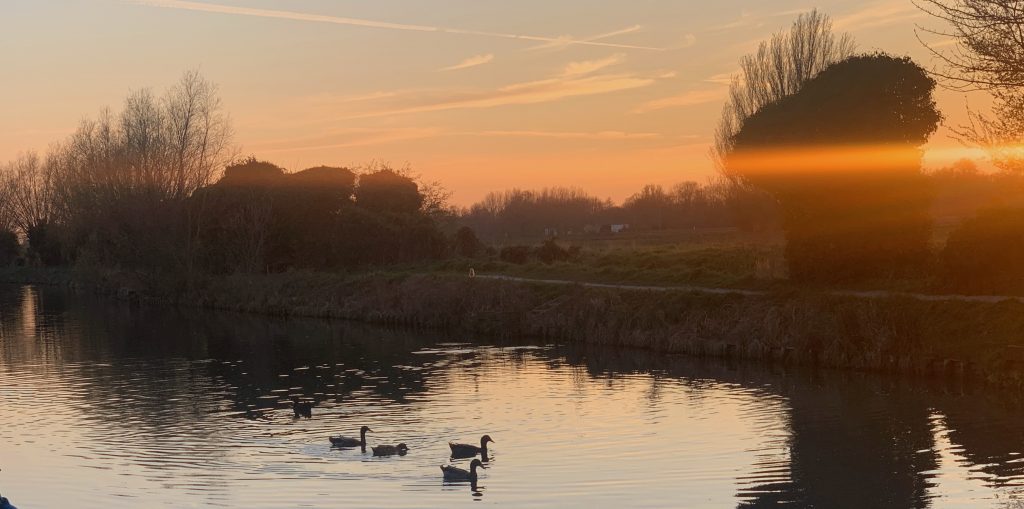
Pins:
x: 482, y: 96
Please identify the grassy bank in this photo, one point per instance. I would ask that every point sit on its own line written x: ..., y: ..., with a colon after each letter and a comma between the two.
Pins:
x: 973, y: 340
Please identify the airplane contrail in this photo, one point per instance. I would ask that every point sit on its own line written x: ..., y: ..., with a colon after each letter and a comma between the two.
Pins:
x: 338, y: 20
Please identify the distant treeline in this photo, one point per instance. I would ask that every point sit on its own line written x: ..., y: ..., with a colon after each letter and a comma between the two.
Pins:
x: 568, y: 212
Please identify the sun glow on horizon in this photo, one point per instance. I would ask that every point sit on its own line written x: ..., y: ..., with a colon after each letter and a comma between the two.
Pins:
x: 489, y: 99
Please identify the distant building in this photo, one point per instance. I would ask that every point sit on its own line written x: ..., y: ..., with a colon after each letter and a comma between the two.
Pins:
x: 613, y: 228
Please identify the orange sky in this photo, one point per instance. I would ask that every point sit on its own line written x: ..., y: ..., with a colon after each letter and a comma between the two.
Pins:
x: 479, y: 95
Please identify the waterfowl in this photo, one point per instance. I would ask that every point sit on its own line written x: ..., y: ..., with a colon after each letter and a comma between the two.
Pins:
x: 302, y: 408
x: 341, y: 441
x: 469, y: 450
x: 453, y: 473
x: 390, y: 450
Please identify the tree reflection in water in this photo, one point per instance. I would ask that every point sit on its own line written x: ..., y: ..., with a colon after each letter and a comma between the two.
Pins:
x: 851, y: 440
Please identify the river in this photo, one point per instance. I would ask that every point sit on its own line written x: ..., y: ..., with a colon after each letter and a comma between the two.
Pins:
x: 108, y: 405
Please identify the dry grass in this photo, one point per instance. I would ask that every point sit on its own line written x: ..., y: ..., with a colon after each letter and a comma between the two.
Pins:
x: 899, y: 335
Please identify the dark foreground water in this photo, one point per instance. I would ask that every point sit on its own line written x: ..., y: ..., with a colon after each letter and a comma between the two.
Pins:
x: 105, y: 405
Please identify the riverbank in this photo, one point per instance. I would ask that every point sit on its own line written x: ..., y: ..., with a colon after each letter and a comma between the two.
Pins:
x: 970, y: 340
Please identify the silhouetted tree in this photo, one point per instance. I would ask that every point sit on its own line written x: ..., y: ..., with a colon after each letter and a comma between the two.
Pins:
x: 44, y: 246
x: 651, y: 207
x: 252, y: 172
x: 842, y: 157
x: 388, y: 191
x: 550, y: 252
x: 988, y: 55
x: 467, y: 244
x: 10, y: 250
x: 261, y: 218
x: 989, y: 51
x: 29, y: 190
x: 525, y: 213
x: 780, y: 68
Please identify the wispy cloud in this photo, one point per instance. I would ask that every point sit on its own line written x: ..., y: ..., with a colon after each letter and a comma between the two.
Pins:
x: 565, y: 41
x: 749, y: 19
x: 591, y: 66
x: 943, y: 43
x: 339, y: 20
x: 878, y: 14
x: 596, y: 135
x: 344, y: 138
x: 472, y: 61
x: 532, y: 92
x: 724, y: 78
x: 691, y: 98
x: 367, y: 136
x: 746, y: 19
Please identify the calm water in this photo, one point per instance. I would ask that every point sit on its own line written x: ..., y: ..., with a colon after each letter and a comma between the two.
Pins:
x: 105, y: 405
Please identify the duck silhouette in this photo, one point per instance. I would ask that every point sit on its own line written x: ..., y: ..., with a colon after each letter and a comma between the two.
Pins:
x: 343, y: 441
x: 453, y: 473
x: 469, y: 450
x: 302, y: 408
x: 390, y: 450
x: 6, y: 504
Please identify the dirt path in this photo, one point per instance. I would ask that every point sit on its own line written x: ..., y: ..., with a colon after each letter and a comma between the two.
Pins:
x: 865, y: 294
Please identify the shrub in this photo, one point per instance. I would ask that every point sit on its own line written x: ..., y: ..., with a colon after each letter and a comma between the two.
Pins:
x: 550, y: 252
x: 467, y: 244
x: 44, y: 246
x: 515, y: 254
x: 9, y: 248
x: 986, y: 253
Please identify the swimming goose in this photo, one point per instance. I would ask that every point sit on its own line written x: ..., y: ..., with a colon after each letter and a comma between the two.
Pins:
x: 302, y: 408
x: 390, y: 450
x: 453, y: 473
x: 351, y: 442
x: 468, y: 450
x: 6, y: 504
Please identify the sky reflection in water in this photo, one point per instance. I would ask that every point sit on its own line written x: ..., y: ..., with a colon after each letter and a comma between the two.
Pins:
x: 106, y: 405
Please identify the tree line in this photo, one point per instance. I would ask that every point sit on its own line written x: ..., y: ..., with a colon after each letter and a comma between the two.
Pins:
x: 157, y: 189
x: 821, y: 140
x: 567, y: 212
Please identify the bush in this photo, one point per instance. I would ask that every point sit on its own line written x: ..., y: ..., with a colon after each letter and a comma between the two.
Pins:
x: 9, y: 248
x: 44, y: 245
x: 515, y: 254
x: 466, y: 243
x: 986, y: 253
x: 550, y: 252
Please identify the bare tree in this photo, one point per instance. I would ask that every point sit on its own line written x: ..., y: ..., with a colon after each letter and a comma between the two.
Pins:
x: 987, y: 54
x: 779, y: 68
x: 989, y: 42
x: 28, y: 187
x: 7, y: 211
x: 199, y: 134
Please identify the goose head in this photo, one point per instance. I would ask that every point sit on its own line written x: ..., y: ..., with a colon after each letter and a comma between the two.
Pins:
x: 474, y: 464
